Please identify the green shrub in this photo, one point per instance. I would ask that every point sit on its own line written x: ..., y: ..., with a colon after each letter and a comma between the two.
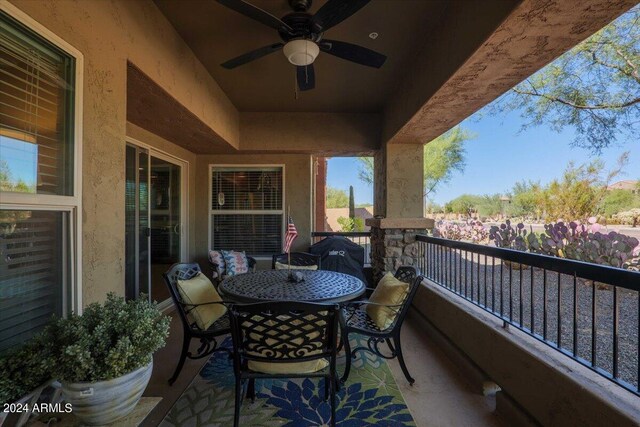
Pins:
x: 107, y: 341
x: 618, y: 201
x: 23, y: 370
x: 351, y: 224
x: 630, y: 217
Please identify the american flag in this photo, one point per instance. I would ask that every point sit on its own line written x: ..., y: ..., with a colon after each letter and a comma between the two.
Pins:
x: 291, y: 235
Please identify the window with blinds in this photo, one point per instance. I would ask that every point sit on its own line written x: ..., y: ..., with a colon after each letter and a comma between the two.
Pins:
x: 34, y: 247
x: 37, y: 99
x: 247, y: 209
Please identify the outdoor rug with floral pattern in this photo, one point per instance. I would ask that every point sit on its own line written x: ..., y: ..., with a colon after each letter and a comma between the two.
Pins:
x: 371, y: 397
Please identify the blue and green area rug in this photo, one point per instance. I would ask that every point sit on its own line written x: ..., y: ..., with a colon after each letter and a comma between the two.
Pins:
x: 371, y: 397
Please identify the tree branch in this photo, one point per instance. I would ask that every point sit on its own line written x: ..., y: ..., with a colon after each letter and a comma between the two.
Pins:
x: 577, y: 106
x: 633, y: 66
x: 633, y: 74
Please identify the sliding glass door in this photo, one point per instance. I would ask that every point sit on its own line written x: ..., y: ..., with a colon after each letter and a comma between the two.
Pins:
x: 137, y: 232
x: 166, y: 226
x: 154, y: 229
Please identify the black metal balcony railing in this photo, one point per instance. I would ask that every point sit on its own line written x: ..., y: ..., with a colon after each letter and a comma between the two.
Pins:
x: 362, y: 238
x: 588, y: 312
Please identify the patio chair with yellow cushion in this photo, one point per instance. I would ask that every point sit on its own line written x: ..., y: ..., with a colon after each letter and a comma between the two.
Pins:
x: 299, y: 261
x: 380, y: 317
x: 201, y: 310
x: 284, y: 340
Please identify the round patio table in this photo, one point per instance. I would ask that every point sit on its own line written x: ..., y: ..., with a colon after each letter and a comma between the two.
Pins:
x: 272, y: 285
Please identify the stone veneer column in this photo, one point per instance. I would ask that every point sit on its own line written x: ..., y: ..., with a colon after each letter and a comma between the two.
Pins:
x: 393, y: 242
x: 399, y: 197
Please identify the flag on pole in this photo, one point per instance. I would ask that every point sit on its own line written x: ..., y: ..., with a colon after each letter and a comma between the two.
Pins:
x: 291, y: 235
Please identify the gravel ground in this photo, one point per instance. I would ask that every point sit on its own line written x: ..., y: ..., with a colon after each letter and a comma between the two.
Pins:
x: 523, y: 302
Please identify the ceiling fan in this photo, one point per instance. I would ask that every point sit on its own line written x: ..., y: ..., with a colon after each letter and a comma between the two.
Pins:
x: 302, y: 36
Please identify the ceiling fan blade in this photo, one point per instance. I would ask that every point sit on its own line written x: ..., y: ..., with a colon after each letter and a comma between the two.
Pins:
x: 353, y: 53
x: 334, y: 12
x: 306, y: 77
x: 253, y: 55
x: 256, y: 13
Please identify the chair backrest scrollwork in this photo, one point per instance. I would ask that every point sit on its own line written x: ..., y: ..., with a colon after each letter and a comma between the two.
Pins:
x: 410, y: 275
x: 283, y: 331
x: 301, y: 259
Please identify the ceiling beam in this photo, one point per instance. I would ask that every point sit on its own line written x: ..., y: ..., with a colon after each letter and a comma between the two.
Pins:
x: 340, y: 134
x: 431, y: 99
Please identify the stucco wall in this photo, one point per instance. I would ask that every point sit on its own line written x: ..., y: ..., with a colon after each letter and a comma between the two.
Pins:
x: 298, y: 195
x: 317, y: 133
x: 552, y: 388
x: 404, y: 180
x: 441, y: 53
x: 108, y: 33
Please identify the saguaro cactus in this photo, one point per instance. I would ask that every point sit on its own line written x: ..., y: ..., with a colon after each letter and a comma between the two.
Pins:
x: 352, y: 203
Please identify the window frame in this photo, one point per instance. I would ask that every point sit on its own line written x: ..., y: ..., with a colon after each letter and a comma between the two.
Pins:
x: 72, y: 204
x: 240, y: 167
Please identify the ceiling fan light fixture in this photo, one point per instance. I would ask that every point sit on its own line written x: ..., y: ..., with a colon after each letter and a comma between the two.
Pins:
x: 301, y: 52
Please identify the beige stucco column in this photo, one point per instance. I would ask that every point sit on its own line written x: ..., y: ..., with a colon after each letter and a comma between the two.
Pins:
x: 404, y: 178
x: 398, y: 187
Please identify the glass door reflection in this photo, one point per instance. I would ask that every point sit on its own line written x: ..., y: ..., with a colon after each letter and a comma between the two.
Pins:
x: 165, y: 222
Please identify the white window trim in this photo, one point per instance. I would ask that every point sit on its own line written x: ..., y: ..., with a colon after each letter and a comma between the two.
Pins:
x: 73, y: 203
x: 212, y: 211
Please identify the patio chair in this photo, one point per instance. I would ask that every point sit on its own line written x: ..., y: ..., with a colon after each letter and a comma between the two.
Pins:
x: 355, y: 319
x: 275, y: 340
x: 190, y: 328
x: 218, y: 273
x: 298, y: 259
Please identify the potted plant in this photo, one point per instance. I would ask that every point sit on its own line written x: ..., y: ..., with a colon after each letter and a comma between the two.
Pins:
x: 103, y: 358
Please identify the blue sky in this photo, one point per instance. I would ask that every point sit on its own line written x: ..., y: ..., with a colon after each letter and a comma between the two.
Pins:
x: 21, y: 158
x: 499, y: 156
x: 343, y: 172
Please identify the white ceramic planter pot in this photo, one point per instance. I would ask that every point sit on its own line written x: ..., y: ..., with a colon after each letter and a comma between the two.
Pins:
x: 104, y: 402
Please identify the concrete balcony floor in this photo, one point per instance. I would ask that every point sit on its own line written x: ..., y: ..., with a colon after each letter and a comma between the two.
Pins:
x: 441, y: 395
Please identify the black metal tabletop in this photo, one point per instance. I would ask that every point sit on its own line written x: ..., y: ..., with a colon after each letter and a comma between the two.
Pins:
x: 272, y: 285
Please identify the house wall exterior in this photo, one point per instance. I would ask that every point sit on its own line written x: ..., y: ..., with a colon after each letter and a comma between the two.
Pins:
x: 108, y: 34
x: 317, y: 133
x: 298, y: 177
x: 111, y: 34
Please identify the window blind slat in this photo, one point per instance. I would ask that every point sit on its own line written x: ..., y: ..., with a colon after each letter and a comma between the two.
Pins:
x: 30, y: 280
x: 255, y: 197
x: 46, y: 90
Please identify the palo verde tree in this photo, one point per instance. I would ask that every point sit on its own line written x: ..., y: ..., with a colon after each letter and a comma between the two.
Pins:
x: 594, y: 88
x: 580, y: 192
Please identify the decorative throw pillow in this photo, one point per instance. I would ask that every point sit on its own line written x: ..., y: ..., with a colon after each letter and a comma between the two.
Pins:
x: 281, y: 266
x: 390, y: 291
x: 235, y: 262
x: 200, y: 290
x: 216, y: 258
